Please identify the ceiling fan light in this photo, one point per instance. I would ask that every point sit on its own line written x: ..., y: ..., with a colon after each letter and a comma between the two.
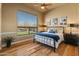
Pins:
x: 42, y: 7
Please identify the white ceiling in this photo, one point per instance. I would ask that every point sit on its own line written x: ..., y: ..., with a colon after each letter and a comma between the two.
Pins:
x: 37, y: 6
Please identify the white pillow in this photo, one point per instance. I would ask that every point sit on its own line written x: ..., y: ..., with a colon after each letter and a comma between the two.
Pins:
x: 52, y: 30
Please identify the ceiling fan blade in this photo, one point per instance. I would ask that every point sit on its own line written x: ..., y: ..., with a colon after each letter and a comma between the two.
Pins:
x: 45, y: 6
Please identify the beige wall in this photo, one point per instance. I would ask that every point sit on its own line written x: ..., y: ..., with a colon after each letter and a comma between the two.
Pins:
x: 9, y: 21
x: 69, y: 10
x: 0, y: 17
x: 0, y: 26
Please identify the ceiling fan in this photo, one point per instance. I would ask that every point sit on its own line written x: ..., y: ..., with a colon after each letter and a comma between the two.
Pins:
x: 44, y: 5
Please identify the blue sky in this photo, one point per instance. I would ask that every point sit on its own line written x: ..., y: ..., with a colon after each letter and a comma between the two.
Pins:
x: 26, y: 18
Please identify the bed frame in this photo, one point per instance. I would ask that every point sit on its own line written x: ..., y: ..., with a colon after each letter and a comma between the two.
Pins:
x: 56, y: 27
x: 34, y: 40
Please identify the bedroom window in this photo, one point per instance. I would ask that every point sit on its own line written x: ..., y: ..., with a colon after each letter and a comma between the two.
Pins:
x: 26, y: 23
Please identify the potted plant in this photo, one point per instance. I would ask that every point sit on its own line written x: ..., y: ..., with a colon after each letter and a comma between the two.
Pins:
x: 8, y: 41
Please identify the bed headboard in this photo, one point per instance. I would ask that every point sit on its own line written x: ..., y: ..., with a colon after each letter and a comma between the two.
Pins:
x: 58, y: 29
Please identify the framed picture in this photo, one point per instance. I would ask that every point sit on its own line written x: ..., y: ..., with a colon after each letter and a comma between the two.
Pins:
x: 63, y: 20
x: 48, y: 22
x: 54, y: 21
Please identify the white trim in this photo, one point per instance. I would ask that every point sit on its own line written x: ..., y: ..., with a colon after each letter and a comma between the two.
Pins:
x: 39, y: 1
x: 15, y: 42
x: 0, y: 44
x: 1, y: 33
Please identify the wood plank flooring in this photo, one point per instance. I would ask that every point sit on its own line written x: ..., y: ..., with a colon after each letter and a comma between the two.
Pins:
x: 28, y: 48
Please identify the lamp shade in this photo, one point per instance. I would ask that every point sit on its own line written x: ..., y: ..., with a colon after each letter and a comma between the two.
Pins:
x: 72, y: 25
x: 43, y: 25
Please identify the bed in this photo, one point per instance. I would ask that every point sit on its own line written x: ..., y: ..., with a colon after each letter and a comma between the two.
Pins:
x: 51, y: 38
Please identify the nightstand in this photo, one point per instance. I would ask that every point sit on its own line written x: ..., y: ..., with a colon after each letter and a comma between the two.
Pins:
x: 71, y: 39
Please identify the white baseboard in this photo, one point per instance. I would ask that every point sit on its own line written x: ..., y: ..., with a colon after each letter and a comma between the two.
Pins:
x: 16, y: 42
x: 7, y: 33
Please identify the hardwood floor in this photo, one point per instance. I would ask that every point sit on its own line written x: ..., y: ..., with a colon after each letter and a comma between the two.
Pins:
x: 28, y: 48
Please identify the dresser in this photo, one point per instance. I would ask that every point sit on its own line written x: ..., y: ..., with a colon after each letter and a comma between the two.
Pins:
x: 72, y: 39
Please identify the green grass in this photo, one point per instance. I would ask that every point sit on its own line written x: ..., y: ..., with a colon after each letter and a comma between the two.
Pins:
x: 25, y: 33
x: 22, y: 33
